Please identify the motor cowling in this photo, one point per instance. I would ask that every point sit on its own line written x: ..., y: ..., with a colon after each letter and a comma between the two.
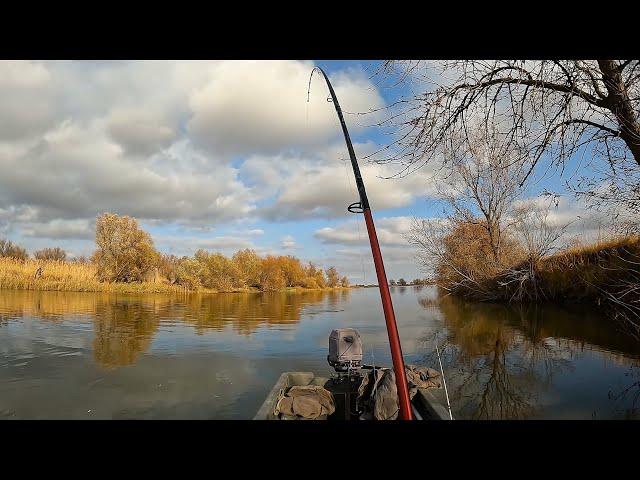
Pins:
x: 345, y: 349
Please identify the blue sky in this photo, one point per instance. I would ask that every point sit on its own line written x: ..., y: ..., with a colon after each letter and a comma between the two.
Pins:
x: 218, y: 155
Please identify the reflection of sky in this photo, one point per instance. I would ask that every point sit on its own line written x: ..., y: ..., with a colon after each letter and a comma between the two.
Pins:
x: 49, y: 369
x: 573, y: 391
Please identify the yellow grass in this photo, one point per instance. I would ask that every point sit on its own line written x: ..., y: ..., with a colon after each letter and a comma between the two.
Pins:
x: 67, y: 276
x: 78, y: 277
x: 632, y: 241
x: 589, y: 272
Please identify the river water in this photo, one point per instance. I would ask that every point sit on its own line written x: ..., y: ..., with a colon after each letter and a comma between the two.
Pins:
x: 99, y: 356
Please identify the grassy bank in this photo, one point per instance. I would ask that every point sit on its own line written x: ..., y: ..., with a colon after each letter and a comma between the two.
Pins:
x: 601, y: 272
x: 54, y: 275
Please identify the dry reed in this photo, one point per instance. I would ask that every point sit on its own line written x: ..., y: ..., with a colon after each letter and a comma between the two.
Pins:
x: 55, y: 275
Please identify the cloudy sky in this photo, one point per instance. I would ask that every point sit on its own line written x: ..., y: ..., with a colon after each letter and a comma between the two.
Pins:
x: 219, y: 155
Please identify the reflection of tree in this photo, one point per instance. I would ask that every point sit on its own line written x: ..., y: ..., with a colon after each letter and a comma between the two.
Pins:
x: 498, y: 366
x: 124, y: 325
x: 629, y: 394
x: 540, y: 352
x: 122, y: 330
x: 501, y: 357
x: 503, y: 396
x: 333, y: 298
x: 52, y: 306
x: 245, y: 313
x: 344, y: 294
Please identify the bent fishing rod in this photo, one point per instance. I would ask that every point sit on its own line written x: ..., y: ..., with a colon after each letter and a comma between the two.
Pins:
x: 363, y: 207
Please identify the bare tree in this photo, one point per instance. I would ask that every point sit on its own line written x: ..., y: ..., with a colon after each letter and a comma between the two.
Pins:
x: 10, y: 249
x: 546, y: 106
x: 539, y: 235
x: 482, y: 181
x: 615, y: 192
x: 55, y: 253
x: 555, y: 107
x: 485, y: 177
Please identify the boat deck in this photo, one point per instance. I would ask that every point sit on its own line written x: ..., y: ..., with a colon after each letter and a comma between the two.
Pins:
x: 428, y: 404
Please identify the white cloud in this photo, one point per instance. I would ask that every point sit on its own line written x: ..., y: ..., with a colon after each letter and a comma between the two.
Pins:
x: 321, y: 185
x: 80, y: 138
x: 60, y: 229
x: 77, y: 171
x: 353, y: 255
x: 187, y: 245
x: 26, y: 106
x: 390, y: 231
x: 261, y: 106
x: 288, y: 242
x: 140, y: 131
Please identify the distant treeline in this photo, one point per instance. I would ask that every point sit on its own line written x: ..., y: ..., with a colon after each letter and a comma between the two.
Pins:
x: 417, y: 281
x: 125, y: 254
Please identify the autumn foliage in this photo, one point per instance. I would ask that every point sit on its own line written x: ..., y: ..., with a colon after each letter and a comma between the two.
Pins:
x: 125, y: 252
x: 8, y: 249
x: 125, y: 259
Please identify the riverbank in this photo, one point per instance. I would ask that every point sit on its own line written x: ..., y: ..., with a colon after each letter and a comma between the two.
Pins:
x: 601, y: 273
x: 54, y: 275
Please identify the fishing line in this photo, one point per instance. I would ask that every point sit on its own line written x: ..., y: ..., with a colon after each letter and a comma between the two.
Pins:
x: 350, y: 188
x: 444, y: 381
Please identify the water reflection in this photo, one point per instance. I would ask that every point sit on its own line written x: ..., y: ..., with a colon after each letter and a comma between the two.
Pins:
x: 629, y: 396
x: 87, y: 355
x: 122, y: 330
x: 503, y: 359
x: 124, y: 326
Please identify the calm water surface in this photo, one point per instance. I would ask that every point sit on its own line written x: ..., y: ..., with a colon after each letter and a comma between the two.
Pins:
x: 84, y: 355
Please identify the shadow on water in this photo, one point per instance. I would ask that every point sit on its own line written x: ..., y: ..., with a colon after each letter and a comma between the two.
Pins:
x: 507, y: 362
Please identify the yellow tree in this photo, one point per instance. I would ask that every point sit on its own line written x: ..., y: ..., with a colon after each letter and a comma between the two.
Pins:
x: 271, y: 276
x: 218, y: 271
x: 124, y: 251
x: 333, y: 279
x: 315, y: 276
x: 248, y: 265
x: 293, y: 271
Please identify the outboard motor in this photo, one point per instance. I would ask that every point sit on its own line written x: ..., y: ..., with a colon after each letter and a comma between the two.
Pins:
x: 345, y: 356
x: 345, y: 349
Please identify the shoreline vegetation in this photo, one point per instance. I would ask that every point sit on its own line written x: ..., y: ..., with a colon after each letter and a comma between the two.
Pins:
x: 63, y: 276
x: 604, y: 273
x: 126, y: 261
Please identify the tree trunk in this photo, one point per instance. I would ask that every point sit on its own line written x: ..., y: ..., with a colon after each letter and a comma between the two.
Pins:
x: 618, y: 102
